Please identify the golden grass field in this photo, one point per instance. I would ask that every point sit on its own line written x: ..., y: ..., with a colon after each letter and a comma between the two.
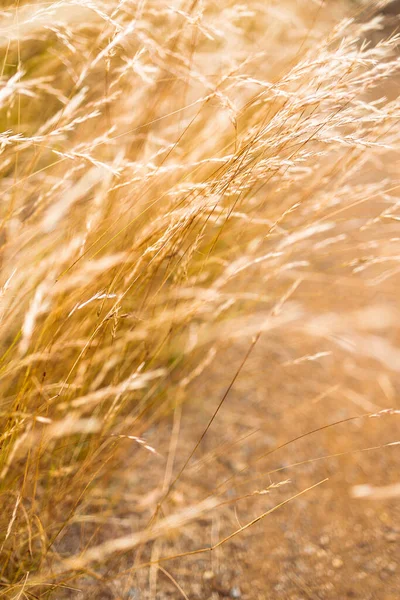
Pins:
x: 199, y: 299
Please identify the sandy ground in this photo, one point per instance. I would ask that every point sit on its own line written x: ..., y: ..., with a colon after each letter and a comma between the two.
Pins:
x: 324, y: 544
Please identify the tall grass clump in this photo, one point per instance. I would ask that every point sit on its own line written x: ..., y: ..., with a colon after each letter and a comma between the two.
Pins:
x: 171, y: 174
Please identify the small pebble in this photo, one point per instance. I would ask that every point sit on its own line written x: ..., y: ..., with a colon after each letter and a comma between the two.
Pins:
x: 391, y: 537
x: 208, y: 575
x: 324, y: 540
x: 337, y: 562
x: 361, y: 575
x: 235, y: 592
x: 329, y: 586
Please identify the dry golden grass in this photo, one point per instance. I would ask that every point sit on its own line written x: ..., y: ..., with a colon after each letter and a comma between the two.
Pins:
x: 171, y: 173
